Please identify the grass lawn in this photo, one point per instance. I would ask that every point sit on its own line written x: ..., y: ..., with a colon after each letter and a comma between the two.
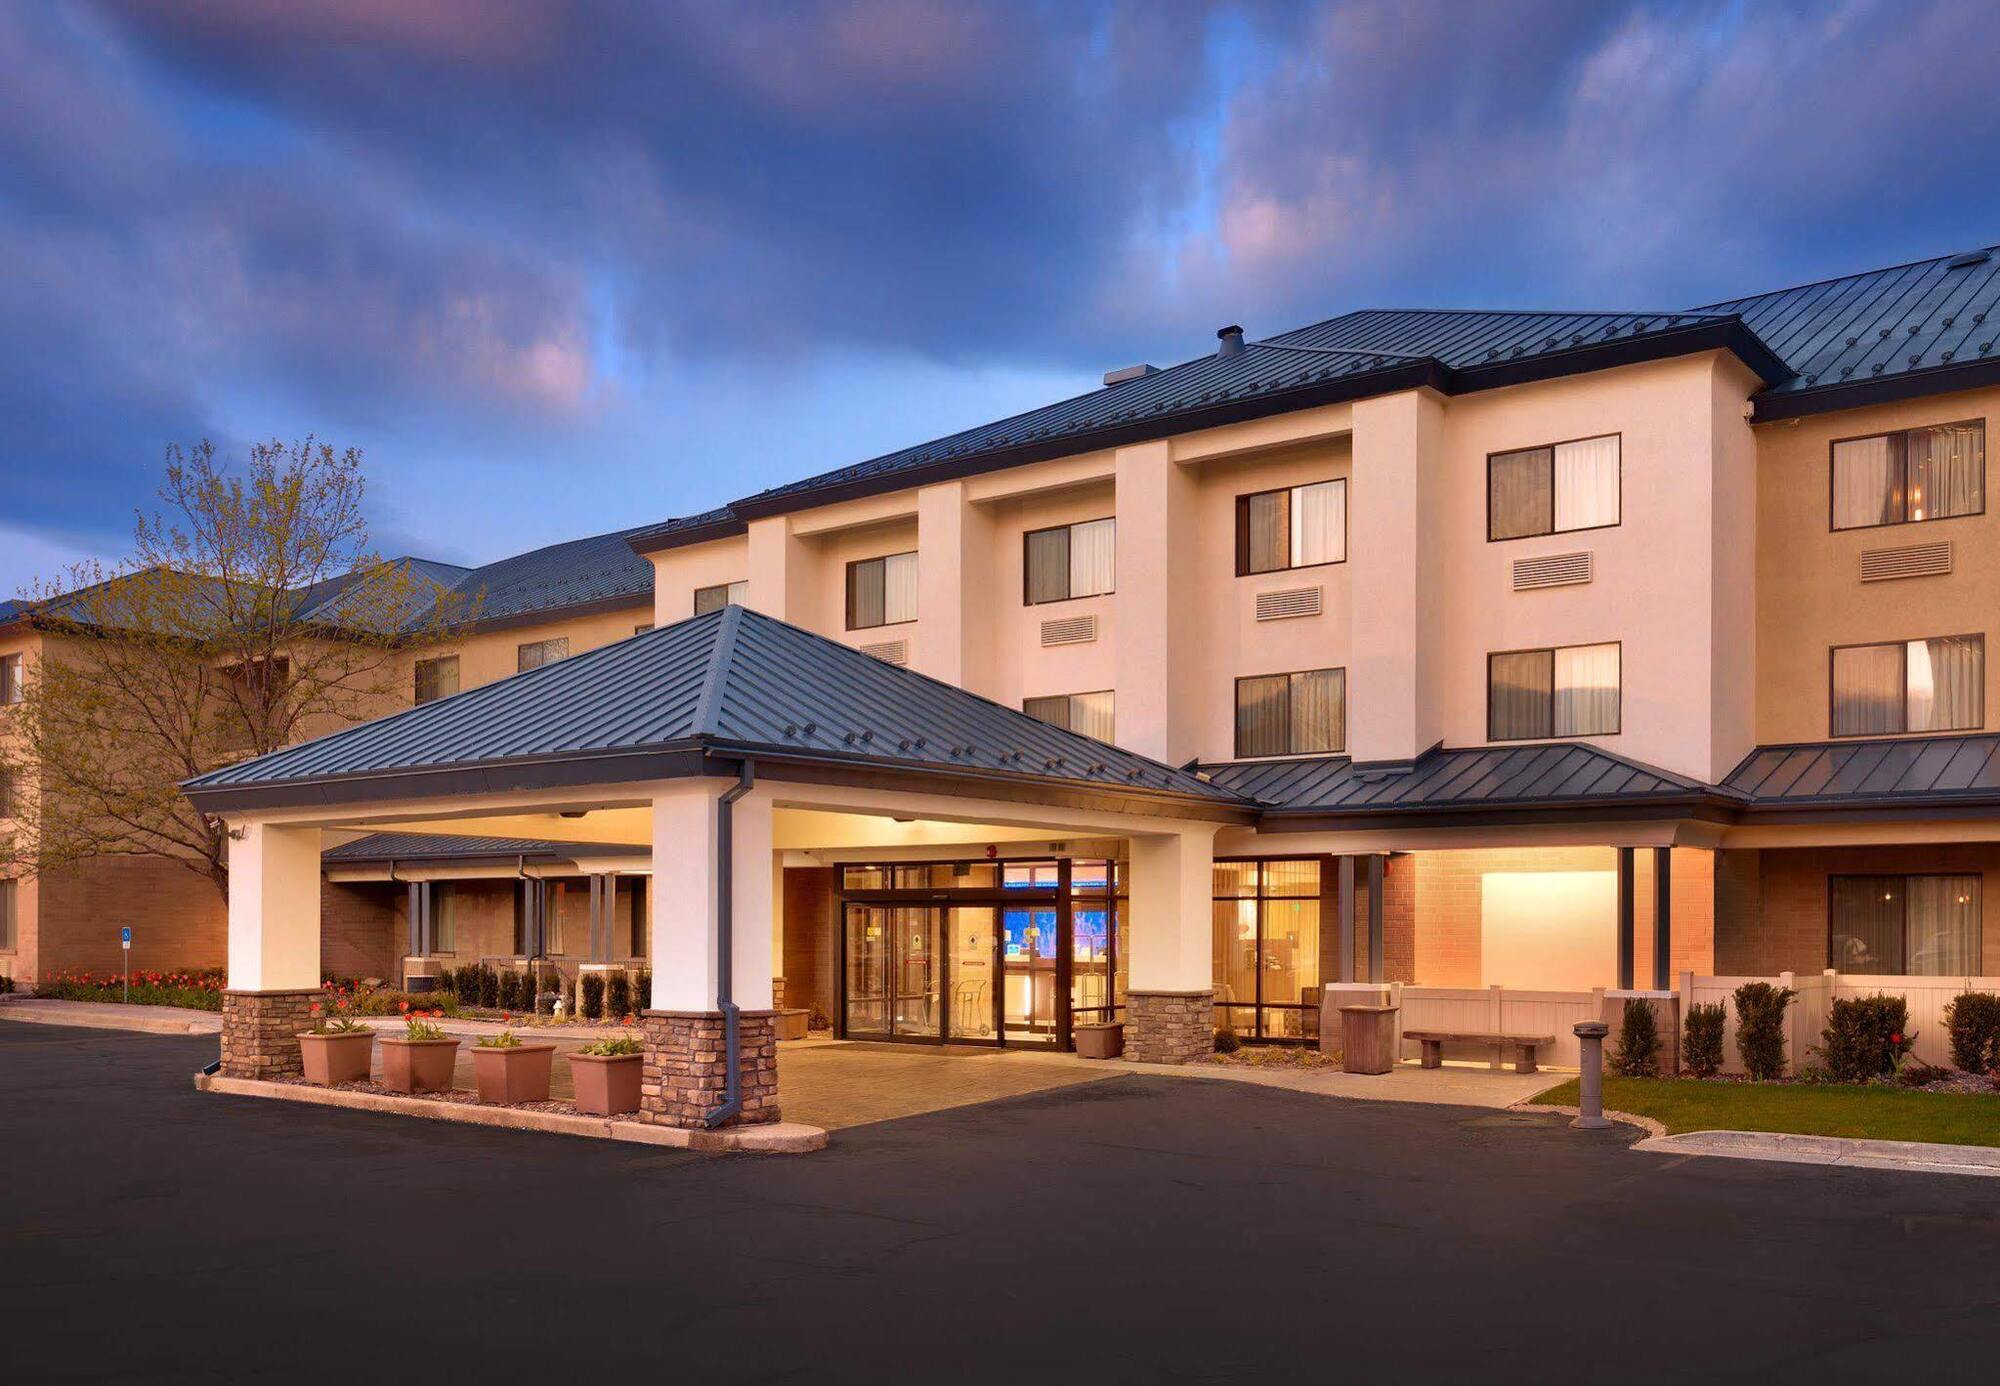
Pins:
x: 1882, y: 1114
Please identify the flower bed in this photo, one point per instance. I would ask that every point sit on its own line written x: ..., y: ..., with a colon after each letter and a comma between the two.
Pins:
x: 199, y: 990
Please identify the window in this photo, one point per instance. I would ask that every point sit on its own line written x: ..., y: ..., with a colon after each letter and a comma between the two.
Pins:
x: 1089, y: 713
x: 10, y: 678
x: 1297, y: 527
x: 1292, y: 714
x: 1552, y: 490
x: 444, y: 917
x: 10, y: 802
x: 1921, y: 926
x: 9, y: 931
x: 536, y: 653
x: 1267, y: 947
x: 436, y: 678
x: 1571, y: 691
x: 1910, y: 686
x: 707, y: 599
x: 1901, y: 478
x: 882, y: 591
x: 1070, y: 561
x: 641, y: 630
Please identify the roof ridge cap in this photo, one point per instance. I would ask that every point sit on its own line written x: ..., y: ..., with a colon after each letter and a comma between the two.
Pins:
x: 719, y: 660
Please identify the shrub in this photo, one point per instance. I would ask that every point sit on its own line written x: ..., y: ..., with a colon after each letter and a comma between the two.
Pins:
x: 614, y: 1048
x: 201, y: 991
x: 1865, y: 1037
x: 6, y: 985
x: 618, y: 995
x: 591, y: 986
x: 1226, y: 1042
x: 1638, y: 1053
x: 1701, y: 1047
x: 1760, y: 1028
x: 489, y: 988
x: 1973, y: 1018
x: 642, y: 991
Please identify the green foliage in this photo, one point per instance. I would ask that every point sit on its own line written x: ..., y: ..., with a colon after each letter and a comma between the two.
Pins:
x: 618, y: 995
x: 385, y: 1001
x: 506, y: 1039
x: 1701, y: 1042
x: 1973, y: 1019
x: 489, y: 988
x: 1865, y: 1037
x: 1760, y: 1028
x: 200, y: 991
x: 418, y: 1028
x: 591, y: 985
x: 618, y: 1048
x: 1638, y: 1054
x: 1226, y: 1042
x: 6, y: 985
x: 642, y: 990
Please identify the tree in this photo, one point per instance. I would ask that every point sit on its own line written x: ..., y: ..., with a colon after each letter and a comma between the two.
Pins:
x: 252, y: 614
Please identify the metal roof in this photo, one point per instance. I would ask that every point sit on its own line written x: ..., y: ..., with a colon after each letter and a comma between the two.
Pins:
x: 1902, y: 771
x: 599, y: 569
x: 733, y: 680
x: 442, y: 847
x: 1550, y: 774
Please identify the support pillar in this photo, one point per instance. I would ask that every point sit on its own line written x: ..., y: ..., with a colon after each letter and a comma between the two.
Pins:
x: 1377, y: 864
x: 1663, y: 918
x: 1627, y: 891
x: 274, y: 948
x: 1170, y: 999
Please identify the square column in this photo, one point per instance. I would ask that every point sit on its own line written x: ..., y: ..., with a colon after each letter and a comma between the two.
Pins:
x: 1170, y: 999
x: 274, y: 945
x: 1158, y: 641
x: 954, y: 563
x: 1393, y: 675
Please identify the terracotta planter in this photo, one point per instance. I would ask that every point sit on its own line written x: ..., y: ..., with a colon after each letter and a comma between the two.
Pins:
x: 418, y: 1065
x: 791, y: 1025
x: 605, y: 1085
x: 1099, y: 1041
x: 518, y: 1073
x: 341, y: 1058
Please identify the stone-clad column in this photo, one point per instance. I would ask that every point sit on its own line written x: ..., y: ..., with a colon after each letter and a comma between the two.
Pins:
x: 1169, y: 1027
x: 260, y: 1032
x: 274, y: 947
x: 1170, y: 1002
x: 684, y: 1073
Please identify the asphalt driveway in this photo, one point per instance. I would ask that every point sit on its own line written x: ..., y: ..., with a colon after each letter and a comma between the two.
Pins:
x: 1129, y: 1230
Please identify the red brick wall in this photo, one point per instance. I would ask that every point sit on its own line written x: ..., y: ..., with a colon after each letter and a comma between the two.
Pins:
x: 361, y: 929
x: 179, y: 919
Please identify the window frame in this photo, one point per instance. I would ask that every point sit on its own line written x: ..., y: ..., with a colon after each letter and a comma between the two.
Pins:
x: 10, y: 915
x: 1070, y: 710
x: 1327, y: 898
x: 722, y: 587
x: 1236, y: 713
x: 1550, y: 651
x: 417, y: 675
x: 1242, y: 512
x: 1905, y: 877
x: 847, y: 590
x: 13, y: 679
x: 1902, y: 648
x: 1069, y: 545
x: 1618, y: 523
x: 1832, y: 444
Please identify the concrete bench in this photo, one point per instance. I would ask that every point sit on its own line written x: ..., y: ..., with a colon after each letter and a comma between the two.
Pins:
x: 1524, y: 1046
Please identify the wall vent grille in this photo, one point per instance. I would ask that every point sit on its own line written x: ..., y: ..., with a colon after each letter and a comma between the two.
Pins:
x: 889, y: 651
x: 1287, y: 602
x: 1554, y: 570
x: 1070, y: 630
x: 1912, y: 560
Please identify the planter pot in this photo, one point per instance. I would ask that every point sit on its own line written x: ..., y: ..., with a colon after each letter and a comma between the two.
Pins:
x: 790, y: 1025
x: 341, y: 1058
x: 418, y: 1065
x: 606, y: 1086
x: 519, y: 1073
x: 1099, y: 1041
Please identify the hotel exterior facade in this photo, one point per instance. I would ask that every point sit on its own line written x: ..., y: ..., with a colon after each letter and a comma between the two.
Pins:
x: 1558, y: 651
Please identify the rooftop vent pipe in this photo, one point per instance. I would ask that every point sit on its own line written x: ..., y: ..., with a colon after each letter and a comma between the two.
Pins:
x: 1231, y: 338
x: 1125, y: 373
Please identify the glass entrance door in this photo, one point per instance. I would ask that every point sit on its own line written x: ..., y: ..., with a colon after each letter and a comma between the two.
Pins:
x: 1028, y: 975
x: 974, y: 956
x: 891, y: 972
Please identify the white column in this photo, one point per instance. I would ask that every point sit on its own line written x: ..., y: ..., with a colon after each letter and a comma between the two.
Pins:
x: 1158, y: 648
x: 955, y: 587
x: 684, y: 897
x: 779, y: 566
x: 273, y: 908
x: 1392, y: 684
x: 1172, y: 902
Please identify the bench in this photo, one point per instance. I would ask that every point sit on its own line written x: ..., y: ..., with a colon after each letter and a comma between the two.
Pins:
x: 1524, y: 1046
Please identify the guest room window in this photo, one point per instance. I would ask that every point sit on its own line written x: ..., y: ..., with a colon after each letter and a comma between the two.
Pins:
x: 882, y: 591
x: 1089, y: 713
x: 1292, y: 714
x: 536, y: 653
x: 1070, y: 561
x: 1918, y: 474
x: 436, y: 678
x: 1923, y: 926
x: 8, y: 940
x: 1553, y: 489
x: 1910, y: 686
x: 707, y: 599
x: 10, y: 678
x: 1569, y: 691
x: 1297, y: 527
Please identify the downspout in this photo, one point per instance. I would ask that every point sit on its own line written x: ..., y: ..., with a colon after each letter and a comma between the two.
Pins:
x: 725, y: 947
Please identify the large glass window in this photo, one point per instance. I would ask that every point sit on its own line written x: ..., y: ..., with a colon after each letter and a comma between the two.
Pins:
x: 1534, y: 694
x: 436, y: 678
x: 535, y: 653
x: 10, y: 678
x: 444, y: 917
x: 1067, y: 561
x: 9, y: 929
x: 1910, y: 686
x: 882, y: 591
x: 1266, y: 932
x: 707, y: 599
x: 1295, y: 527
x: 1089, y: 713
x: 1553, y: 489
x: 1922, y: 926
x: 1901, y: 478
x: 1292, y: 714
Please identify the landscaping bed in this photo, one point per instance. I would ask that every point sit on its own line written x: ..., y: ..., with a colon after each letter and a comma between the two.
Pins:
x: 196, y: 991
x: 1856, y: 1111
x: 1282, y: 1056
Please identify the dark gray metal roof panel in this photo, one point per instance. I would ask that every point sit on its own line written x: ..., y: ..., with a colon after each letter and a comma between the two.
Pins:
x: 1886, y: 772
x: 600, y: 568
x: 1468, y: 777
x: 443, y: 847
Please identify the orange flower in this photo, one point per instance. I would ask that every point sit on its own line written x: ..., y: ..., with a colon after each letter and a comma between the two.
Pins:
x: 403, y: 1006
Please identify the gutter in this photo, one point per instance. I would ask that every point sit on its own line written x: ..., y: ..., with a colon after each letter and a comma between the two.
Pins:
x: 725, y: 946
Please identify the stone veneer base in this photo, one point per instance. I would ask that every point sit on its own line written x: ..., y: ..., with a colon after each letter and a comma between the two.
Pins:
x: 685, y: 1067
x: 260, y: 1032
x: 1169, y: 1027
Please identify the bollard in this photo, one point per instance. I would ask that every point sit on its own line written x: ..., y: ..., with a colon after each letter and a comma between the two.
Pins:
x: 1590, y: 1081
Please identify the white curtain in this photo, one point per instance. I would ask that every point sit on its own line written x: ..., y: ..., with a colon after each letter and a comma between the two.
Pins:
x: 1586, y: 482
x: 1947, y: 471
x: 1946, y: 683
x: 1868, y: 690
x: 1319, y: 523
x: 1867, y: 482
x: 1943, y: 929
x: 1093, y: 558
x: 1586, y: 692
x: 899, y: 588
x: 1319, y: 721
x: 1090, y: 713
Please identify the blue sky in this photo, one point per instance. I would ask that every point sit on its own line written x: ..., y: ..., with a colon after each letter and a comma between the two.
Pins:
x: 561, y: 266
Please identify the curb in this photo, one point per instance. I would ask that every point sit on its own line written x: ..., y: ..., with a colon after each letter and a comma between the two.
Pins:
x: 33, y: 1013
x: 1653, y: 1129
x: 1910, y: 1157
x: 776, y: 1138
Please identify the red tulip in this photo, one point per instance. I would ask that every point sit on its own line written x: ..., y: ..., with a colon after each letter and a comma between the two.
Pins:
x: 403, y: 1006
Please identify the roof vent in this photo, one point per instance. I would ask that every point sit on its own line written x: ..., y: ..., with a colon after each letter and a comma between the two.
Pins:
x: 1231, y: 338
x: 1969, y: 259
x: 1120, y: 376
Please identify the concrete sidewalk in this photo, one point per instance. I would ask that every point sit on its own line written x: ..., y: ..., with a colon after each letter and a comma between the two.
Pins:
x: 111, y: 1015
x: 1914, y: 1157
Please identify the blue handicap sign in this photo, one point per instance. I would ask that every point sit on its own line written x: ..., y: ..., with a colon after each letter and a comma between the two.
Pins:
x: 125, y: 935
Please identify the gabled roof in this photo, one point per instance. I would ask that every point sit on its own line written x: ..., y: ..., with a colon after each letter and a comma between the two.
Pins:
x: 731, y: 682
x: 1924, y: 771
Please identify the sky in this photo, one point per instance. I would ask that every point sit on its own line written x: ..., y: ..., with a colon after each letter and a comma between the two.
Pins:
x: 565, y: 266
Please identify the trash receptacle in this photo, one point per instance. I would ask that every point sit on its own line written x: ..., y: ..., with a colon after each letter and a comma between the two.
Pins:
x: 1368, y: 1038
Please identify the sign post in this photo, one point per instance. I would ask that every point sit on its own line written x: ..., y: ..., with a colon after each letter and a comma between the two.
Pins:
x: 125, y: 944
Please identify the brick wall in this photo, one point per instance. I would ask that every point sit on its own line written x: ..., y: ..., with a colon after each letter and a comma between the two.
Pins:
x: 178, y: 918
x: 361, y: 929
x: 811, y: 964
